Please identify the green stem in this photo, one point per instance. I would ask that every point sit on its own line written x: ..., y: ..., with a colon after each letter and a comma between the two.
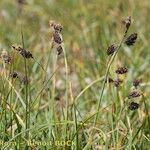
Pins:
x: 106, y: 75
x: 27, y: 120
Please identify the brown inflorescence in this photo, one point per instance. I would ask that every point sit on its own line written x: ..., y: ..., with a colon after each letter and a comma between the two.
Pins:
x: 121, y: 70
x: 111, y: 49
x: 133, y: 106
x: 59, y: 49
x: 14, y: 74
x: 23, y: 52
x: 131, y: 39
x: 134, y: 94
x: 57, y: 37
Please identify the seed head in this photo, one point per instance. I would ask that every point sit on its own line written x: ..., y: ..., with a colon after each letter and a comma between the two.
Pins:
x: 57, y: 37
x: 133, y: 106
x: 26, y: 54
x: 131, y: 39
x: 14, y: 75
x: 23, y: 52
x: 59, y: 49
x: 111, y: 49
x: 121, y: 70
x: 134, y: 94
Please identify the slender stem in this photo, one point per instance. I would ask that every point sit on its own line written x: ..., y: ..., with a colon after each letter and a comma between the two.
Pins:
x: 5, y: 103
x: 66, y: 94
x: 76, y: 126
x: 26, y: 90
x: 52, y: 113
x: 11, y: 101
x: 106, y: 75
x: 146, y: 109
x: 39, y: 65
x: 75, y: 116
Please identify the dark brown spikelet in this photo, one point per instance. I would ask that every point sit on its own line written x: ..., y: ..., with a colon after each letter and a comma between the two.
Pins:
x: 26, y: 54
x: 131, y: 39
x: 136, y: 82
x: 23, y: 52
x: 134, y: 94
x: 133, y: 106
x: 59, y: 49
x: 121, y: 70
x: 57, y: 37
x: 14, y: 74
x: 111, y: 49
x: 117, y: 82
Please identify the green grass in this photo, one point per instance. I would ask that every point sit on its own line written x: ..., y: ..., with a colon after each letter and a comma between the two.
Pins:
x: 68, y: 99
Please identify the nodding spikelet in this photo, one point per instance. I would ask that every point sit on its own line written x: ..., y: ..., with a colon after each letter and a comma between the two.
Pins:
x: 121, y: 70
x: 57, y: 37
x: 59, y: 49
x: 111, y: 49
x: 117, y: 82
x: 5, y: 57
x: 136, y: 82
x: 133, y: 106
x: 23, y: 52
x: 14, y: 74
x: 131, y: 39
x: 134, y: 94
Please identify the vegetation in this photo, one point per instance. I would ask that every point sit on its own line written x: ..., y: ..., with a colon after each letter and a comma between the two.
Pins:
x: 74, y: 75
